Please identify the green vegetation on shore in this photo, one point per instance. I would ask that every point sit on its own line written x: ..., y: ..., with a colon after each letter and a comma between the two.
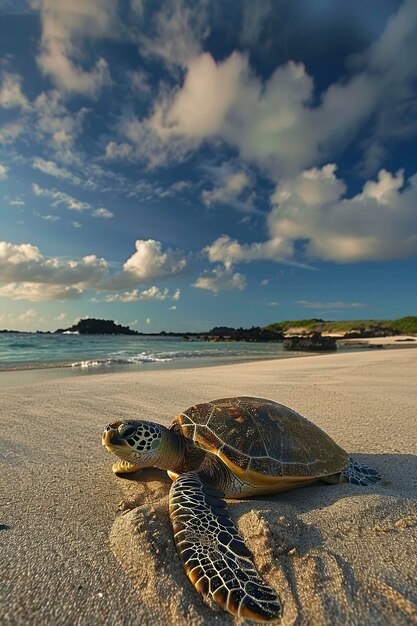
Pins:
x: 404, y: 325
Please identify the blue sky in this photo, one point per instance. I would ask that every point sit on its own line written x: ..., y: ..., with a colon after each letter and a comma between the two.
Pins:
x: 179, y: 165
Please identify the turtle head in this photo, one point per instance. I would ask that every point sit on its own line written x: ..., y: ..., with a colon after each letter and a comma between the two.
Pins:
x: 136, y: 441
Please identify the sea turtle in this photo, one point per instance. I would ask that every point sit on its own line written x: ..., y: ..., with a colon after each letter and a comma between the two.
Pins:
x: 230, y: 448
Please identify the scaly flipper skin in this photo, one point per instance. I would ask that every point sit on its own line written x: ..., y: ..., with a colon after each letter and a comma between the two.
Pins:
x: 125, y: 467
x: 360, y: 474
x: 213, y: 554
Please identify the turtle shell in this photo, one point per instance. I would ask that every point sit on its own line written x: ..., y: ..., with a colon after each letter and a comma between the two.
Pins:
x: 259, y: 437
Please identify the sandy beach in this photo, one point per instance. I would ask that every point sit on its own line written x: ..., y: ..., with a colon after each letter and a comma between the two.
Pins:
x: 82, y: 546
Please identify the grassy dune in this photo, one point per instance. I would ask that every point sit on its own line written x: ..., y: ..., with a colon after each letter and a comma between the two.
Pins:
x: 404, y: 325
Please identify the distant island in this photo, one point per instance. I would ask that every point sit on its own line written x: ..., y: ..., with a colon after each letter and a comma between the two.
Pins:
x: 92, y: 326
x: 310, y: 334
x: 278, y: 331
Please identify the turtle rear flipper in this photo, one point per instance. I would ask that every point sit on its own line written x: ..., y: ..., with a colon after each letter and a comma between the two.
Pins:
x: 213, y: 554
x: 359, y: 474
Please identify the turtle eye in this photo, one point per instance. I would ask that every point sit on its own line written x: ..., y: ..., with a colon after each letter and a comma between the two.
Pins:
x: 129, y: 432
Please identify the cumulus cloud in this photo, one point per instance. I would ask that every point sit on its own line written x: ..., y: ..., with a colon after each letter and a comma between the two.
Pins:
x: 150, y: 261
x: 65, y: 23
x: 39, y: 292
x: 25, y: 273
x: 3, y: 171
x: 221, y: 279
x: 312, y: 210
x: 199, y: 108
x: 380, y: 223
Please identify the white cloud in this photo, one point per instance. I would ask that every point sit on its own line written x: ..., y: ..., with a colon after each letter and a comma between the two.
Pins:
x: 26, y: 274
x: 390, y: 61
x: 117, y: 151
x: 175, y: 32
x: 179, y: 186
x: 102, y: 213
x: 380, y: 223
x: 59, y: 197
x: 198, y: 109
x: 49, y: 218
x: 147, y: 295
x: 56, y: 123
x: 53, y: 169
x: 17, y: 202
x: 139, y: 82
x: 150, y: 261
x: 11, y: 95
x: 39, y: 292
x: 65, y: 24
x: 229, y: 251
x: 228, y: 191
x: 3, y: 171
x: 10, y: 132
x: 147, y: 145
x: 221, y: 279
x: 28, y: 316
x: 281, y: 124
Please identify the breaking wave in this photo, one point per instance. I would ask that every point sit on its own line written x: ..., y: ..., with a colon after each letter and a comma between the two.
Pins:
x: 114, y: 361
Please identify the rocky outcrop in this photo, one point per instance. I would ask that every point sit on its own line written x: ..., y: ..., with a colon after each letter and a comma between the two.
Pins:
x: 314, y: 342
x: 225, y: 333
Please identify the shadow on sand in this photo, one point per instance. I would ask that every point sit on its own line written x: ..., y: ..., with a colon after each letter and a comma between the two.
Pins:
x: 319, y: 546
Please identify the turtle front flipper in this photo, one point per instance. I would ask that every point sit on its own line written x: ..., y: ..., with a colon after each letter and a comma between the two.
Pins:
x: 359, y: 474
x: 125, y: 467
x: 213, y: 554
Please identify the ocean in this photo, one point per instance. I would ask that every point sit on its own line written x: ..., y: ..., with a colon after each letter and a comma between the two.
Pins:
x: 87, y: 353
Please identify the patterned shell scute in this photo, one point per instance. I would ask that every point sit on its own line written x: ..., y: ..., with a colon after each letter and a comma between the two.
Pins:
x: 264, y: 436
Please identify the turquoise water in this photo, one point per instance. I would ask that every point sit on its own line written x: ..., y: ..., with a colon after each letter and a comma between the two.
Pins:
x: 105, y: 352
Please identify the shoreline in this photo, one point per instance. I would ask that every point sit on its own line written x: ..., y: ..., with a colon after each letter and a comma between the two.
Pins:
x: 83, y: 546
x: 102, y: 364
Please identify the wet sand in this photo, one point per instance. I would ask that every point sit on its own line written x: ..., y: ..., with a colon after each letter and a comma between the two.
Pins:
x: 80, y: 546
